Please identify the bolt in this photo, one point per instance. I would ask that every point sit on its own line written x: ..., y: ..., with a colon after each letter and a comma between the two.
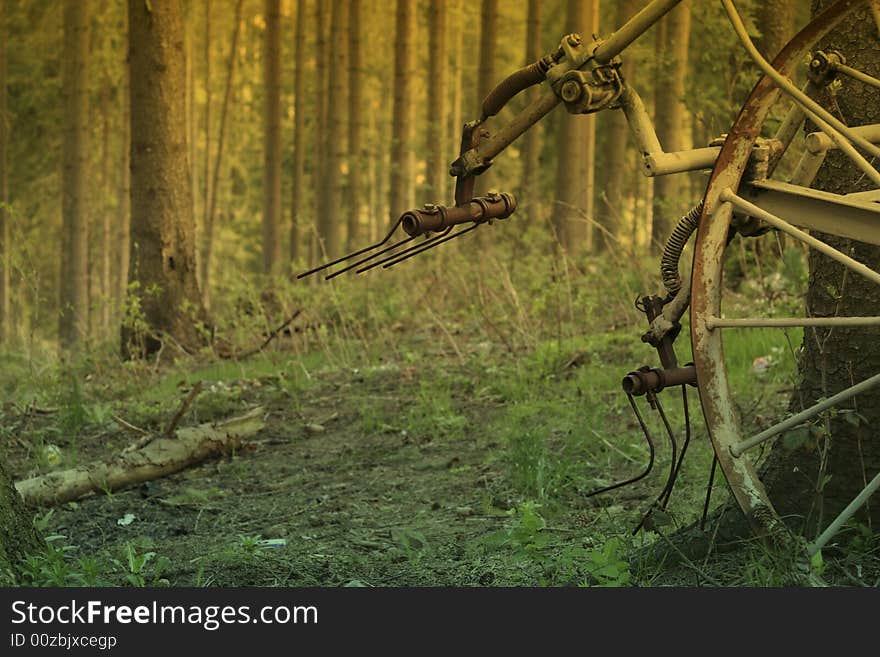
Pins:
x: 574, y: 39
x: 571, y: 91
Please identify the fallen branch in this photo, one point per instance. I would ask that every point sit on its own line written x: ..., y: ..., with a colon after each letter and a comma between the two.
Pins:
x: 161, y: 457
x: 184, y: 407
x: 274, y: 334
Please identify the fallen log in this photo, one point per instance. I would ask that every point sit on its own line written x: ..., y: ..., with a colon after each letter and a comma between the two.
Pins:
x: 160, y: 457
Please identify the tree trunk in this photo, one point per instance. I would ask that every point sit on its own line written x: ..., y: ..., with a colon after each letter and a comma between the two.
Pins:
x: 73, y: 323
x: 486, y: 75
x: 5, y: 328
x: 298, y: 204
x: 334, y: 179
x: 206, y: 238
x: 355, y: 233
x: 18, y: 537
x: 671, y: 118
x: 813, y: 483
x: 401, y: 196
x: 776, y: 23
x: 576, y: 150
x: 322, y: 226
x: 211, y: 208
x: 123, y: 234
x: 437, y: 106
x: 272, y: 139
x: 107, y: 290
x: 163, y: 242
x: 532, y: 140
x: 611, y: 210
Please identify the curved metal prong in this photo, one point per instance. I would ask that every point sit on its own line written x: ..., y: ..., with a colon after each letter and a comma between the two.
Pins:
x: 428, y: 247
x: 352, y: 255
x: 407, y: 250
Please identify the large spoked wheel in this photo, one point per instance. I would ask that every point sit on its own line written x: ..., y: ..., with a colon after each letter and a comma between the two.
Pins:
x: 727, y: 194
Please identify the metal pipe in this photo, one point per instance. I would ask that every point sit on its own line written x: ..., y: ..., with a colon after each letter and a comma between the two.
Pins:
x: 479, y: 157
x: 817, y: 142
x: 663, y: 164
x: 780, y: 224
x: 737, y: 449
x: 856, y: 74
x: 633, y: 29
x: 847, y: 148
x: 787, y: 322
x: 845, y: 515
x: 785, y: 85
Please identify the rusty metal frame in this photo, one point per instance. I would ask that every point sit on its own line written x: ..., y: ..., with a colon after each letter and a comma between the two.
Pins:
x: 706, y: 277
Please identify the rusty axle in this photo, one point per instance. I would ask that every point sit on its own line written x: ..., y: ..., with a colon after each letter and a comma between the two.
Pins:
x: 433, y: 218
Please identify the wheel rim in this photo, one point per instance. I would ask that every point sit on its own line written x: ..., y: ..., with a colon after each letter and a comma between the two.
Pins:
x: 706, y: 284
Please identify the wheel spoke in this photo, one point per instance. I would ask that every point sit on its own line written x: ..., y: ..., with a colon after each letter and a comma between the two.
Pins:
x: 845, y: 515
x: 737, y: 449
x: 789, y: 322
x: 785, y: 227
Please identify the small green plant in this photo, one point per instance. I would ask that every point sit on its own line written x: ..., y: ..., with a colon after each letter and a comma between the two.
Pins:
x: 135, y: 567
x: 606, y: 566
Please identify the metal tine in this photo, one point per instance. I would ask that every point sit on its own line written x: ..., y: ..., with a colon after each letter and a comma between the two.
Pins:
x: 368, y: 258
x: 647, y: 434
x: 430, y: 246
x: 709, y: 492
x: 687, y: 441
x: 673, y: 470
x: 406, y: 250
x: 352, y: 255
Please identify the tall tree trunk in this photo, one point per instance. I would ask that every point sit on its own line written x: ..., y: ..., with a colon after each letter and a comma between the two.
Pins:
x: 321, y: 227
x: 73, y: 322
x: 671, y: 118
x: 576, y: 150
x: 123, y: 234
x: 334, y: 179
x: 207, y: 245
x: 5, y: 328
x: 206, y: 164
x: 458, y: 73
x: 532, y: 140
x: 617, y: 156
x: 437, y: 105
x: 272, y: 139
x: 356, y: 162
x: 812, y: 484
x: 298, y: 205
x: 401, y: 195
x: 107, y: 290
x: 486, y: 75
x: 163, y: 241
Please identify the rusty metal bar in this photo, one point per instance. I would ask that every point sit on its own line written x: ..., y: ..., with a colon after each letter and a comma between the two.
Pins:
x: 643, y: 381
x: 434, y: 218
x: 785, y: 85
x: 780, y: 224
x: 845, y: 515
x: 664, y: 164
x: 633, y: 29
x: 844, y: 215
x: 480, y: 157
x: 737, y: 449
x: 789, y: 322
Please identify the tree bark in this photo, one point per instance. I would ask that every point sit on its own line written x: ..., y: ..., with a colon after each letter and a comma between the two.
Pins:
x: 73, y: 321
x: 298, y: 201
x: 123, y: 234
x: 437, y: 150
x: 401, y: 196
x: 163, y: 242
x: 5, y: 328
x: 320, y: 134
x: 272, y: 139
x: 813, y: 483
x: 18, y: 537
x: 671, y: 119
